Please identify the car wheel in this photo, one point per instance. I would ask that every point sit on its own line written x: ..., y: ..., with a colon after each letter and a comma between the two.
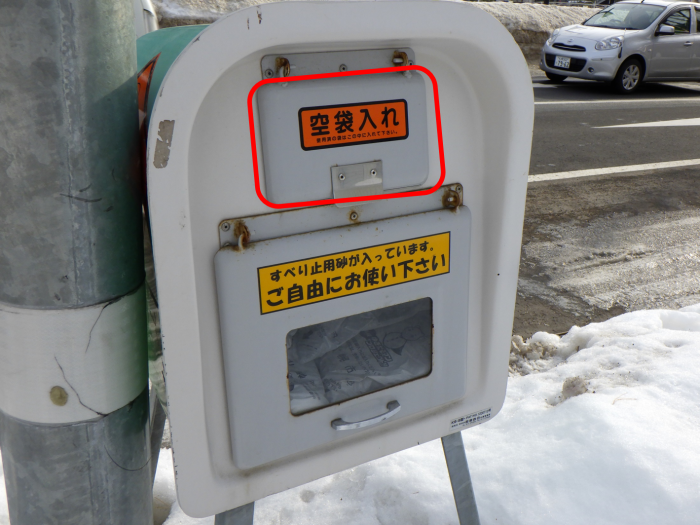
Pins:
x: 554, y: 77
x: 628, y: 77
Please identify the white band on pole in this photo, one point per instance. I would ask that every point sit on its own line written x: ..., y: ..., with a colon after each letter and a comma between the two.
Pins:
x: 72, y: 365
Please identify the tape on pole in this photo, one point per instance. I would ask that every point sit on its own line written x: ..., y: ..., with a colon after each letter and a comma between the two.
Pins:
x: 73, y: 365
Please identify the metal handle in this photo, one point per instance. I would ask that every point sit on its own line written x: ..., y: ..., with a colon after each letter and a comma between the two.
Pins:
x: 393, y: 407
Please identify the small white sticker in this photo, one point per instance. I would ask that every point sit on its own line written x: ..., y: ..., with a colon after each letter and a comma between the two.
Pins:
x: 471, y: 419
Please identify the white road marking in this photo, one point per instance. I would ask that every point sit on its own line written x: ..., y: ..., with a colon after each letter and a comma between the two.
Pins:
x: 659, y: 124
x: 692, y: 87
x: 684, y: 85
x: 616, y: 101
x: 612, y: 171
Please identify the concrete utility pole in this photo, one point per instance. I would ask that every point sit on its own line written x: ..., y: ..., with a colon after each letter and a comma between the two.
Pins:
x: 73, y: 367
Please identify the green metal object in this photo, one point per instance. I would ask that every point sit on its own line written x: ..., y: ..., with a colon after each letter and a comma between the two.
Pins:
x: 169, y: 42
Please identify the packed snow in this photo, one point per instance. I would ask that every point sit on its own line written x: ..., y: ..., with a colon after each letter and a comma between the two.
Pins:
x: 600, y: 426
x: 635, y: 261
x: 529, y: 24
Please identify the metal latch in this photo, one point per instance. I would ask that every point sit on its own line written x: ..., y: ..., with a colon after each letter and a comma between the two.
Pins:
x: 357, y: 180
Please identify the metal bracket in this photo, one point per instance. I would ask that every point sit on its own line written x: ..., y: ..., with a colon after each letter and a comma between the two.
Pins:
x: 357, y: 180
x: 329, y: 62
x: 303, y: 220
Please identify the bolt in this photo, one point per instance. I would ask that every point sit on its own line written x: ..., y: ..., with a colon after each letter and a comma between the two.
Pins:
x: 59, y: 396
x: 354, y: 216
x: 450, y: 199
x: 343, y: 67
x: 269, y: 73
x: 225, y: 227
x: 373, y: 173
x: 341, y: 176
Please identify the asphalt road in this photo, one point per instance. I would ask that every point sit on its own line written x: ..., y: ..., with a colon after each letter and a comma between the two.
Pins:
x: 597, y: 246
x: 569, y: 118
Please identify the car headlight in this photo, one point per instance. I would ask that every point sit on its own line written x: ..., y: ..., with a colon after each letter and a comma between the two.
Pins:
x: 552, y: 38
x: 612, y: 42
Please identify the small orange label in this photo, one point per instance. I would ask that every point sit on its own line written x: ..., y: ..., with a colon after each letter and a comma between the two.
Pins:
x: 353, y: 124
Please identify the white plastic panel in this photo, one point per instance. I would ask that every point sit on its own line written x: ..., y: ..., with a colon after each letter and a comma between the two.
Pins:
x: 293, y: 174
x: 487, y: 115
x: 255, y: 357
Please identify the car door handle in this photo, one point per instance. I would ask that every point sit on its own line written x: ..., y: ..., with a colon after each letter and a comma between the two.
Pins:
x: 688, y: 44
x: 393, y: 407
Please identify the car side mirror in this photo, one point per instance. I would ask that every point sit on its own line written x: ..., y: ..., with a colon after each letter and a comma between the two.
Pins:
x: 665, y: 29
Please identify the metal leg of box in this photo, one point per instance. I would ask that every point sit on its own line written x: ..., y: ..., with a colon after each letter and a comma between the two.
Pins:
x: 240, y: 516
x: 461, y: 481
x: 157, y: 426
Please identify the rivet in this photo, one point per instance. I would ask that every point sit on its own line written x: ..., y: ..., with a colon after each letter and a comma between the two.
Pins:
x: 225, y: 227
x: 459, y: 188
x: 341, y: 176
x: 343, y: 67
x: 354, y: 216
x: 59, y: 396
x: 373, y: 173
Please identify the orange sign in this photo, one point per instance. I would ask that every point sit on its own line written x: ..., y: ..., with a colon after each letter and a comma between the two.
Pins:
x: 353, y: 124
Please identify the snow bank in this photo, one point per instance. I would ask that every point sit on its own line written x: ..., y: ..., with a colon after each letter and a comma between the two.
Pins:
x: 603, y: 430
x: 188, y: 12
x: 530, y: 24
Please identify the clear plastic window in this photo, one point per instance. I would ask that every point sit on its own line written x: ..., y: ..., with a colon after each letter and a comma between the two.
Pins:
x: 346, y: 358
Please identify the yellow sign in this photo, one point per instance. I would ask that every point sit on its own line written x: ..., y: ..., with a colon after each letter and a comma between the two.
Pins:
x: 317, y: 279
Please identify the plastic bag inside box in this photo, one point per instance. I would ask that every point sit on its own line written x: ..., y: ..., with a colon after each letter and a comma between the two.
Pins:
x: 346, y: 358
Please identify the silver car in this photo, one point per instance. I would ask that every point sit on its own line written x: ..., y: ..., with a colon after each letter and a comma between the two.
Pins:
x: 627, y: 43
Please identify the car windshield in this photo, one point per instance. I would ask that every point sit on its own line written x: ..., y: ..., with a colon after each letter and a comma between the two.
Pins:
x: 626, y: 16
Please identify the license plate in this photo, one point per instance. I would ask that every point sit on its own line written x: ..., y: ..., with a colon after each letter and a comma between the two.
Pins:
x: 564, y: 62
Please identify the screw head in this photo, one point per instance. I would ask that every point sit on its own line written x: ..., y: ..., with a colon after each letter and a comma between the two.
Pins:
x: 342, y: 67
x: 59, y: 396
x: 353, y: 216
x: 373, y: 173
x: 225, y: 227
x: 459, y: 188
x: 341, y: 176
x: 269, y: 73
